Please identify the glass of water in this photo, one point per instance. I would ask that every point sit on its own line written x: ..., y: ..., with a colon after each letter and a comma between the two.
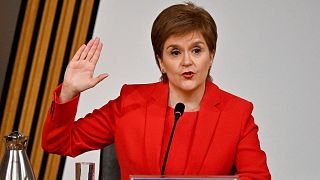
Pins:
x: 85, y: 171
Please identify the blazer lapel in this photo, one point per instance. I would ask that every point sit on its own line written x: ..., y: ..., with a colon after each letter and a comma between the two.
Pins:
x: 206, y: 124
x: 155, y: 117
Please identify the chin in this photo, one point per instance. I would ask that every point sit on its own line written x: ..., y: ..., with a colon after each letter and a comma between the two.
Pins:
x: 189, y: 86
x: 186, y: 85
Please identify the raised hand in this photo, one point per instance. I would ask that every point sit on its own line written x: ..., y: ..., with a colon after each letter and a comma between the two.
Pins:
x: 79, y: 73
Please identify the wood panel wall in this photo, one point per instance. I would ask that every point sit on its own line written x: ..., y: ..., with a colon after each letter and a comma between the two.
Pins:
x: 47, y: 35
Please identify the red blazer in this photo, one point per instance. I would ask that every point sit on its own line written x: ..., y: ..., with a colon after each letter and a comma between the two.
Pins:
x: 225, y: 139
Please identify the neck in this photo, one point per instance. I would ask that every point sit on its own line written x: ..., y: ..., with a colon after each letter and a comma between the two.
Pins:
x: 191, y: 98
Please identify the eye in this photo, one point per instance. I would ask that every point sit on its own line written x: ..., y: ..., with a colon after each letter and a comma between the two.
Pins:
x: 196, y: 50
x: 175, y: 52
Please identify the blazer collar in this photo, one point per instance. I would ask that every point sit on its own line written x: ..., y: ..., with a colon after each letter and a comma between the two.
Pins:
x: 208, y: 118
x: 206, y: 124
x: 155, y: 116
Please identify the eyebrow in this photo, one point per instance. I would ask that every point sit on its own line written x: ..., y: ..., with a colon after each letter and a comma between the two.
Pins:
x: 194, y: 43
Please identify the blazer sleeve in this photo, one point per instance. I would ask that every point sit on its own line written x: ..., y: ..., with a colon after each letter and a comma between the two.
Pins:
x: 250, y: 160
x: 64, y: 136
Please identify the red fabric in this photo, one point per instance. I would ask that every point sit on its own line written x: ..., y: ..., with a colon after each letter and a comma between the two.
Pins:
x: 225, y: 136
x: 181, y: 141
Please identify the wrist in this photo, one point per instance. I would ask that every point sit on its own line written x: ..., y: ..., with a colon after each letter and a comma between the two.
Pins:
x: 67, y: 94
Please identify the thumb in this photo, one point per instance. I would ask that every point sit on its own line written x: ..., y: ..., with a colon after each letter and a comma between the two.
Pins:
x: 99, y: 78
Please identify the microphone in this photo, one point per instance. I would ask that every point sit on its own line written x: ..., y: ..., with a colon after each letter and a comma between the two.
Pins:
x: 178, y: 111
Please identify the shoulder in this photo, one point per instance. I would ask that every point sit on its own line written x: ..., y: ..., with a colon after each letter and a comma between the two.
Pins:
x: 148, y: 88
x: 136, y: 95
x: 142, y: 91
x: 231, y: 98
x: 232, y: 101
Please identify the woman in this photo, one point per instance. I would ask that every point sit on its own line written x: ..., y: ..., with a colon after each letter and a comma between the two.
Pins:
x: 215, y: 136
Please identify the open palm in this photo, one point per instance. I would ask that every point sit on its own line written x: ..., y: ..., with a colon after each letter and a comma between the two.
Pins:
x: 79, y: 73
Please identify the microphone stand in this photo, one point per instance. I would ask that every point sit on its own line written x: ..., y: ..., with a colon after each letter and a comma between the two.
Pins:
x: 177, y: 116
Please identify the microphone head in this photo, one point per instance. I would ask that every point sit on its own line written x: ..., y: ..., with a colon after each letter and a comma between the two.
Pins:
x: 179, y: 109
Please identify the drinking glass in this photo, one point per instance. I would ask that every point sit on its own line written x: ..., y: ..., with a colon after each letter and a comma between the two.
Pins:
x: 84, y: 171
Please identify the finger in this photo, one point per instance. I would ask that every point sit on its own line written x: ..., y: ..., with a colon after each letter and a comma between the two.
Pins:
x: 93, y: 49
x: 98, y: 79
x: 96, y: 54
x: 86, y: 50
x: 78, y: 53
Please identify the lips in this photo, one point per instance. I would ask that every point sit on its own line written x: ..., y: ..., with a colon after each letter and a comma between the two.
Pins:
x: 188, y: 74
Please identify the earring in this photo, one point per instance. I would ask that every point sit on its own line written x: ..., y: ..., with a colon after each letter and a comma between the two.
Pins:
x: 163, y: 71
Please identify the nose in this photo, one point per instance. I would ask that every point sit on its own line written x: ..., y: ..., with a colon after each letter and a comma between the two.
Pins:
x: 187, y: 60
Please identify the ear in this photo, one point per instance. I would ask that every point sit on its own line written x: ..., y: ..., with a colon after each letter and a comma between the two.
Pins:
x: 160, y: 63
x: 212, y: 56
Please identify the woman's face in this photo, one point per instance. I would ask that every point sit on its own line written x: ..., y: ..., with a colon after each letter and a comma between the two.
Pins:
x: 186, y: 60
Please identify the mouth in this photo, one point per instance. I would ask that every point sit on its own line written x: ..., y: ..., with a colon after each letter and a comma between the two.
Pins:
x: 188, y: 74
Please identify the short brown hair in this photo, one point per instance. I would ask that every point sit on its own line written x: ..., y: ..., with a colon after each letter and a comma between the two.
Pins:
x: 181, y: 19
